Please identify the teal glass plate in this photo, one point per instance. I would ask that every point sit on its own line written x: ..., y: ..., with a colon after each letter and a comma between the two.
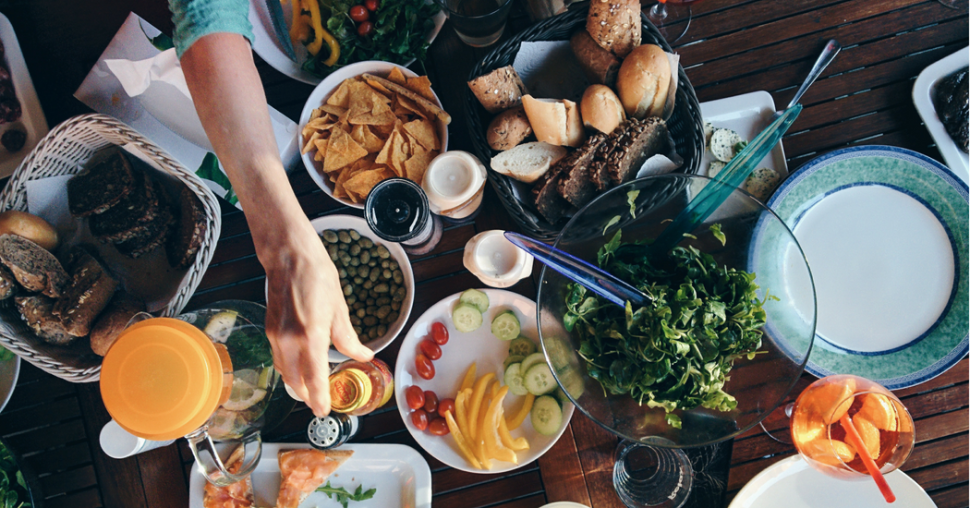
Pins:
x: 914, y: 320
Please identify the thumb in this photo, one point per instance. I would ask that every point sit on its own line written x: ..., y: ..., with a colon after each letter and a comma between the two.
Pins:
x: 344, y: 338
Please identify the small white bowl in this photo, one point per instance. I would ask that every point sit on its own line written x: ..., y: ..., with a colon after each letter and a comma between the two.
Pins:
x: 397, y: 254
x: 320, y: 95
x: 495, y: 260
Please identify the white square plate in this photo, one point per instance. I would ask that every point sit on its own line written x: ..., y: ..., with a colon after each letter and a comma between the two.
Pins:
x: 923, y: 91
x: 747, y: 115
x: 32, y: 121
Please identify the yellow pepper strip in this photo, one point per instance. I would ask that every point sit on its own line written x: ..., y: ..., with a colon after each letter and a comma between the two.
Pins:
x: 520, y: 416
x: 517, y: 444
x: 298, y: 23
x: 320, y: 35
x: 486, y: 461
x: 469, y: 378
x: 460, y: 439
x: 476, y: 404
x: 483, y: 409
x: 495, y: 386
x: 461, y: 412
x: 490, y: 432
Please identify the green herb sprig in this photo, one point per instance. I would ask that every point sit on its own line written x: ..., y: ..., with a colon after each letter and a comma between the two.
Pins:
x: 343, y: 496
x: 13, y: 488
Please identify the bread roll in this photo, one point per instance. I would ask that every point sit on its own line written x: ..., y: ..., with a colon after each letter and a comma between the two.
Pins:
x: 601, y: 109
x: 527, y: 162
x: 615, y: 25
x: 599, y: 65
x: 643, y: 81
x: 508, y: 129
x: 30, y: 227
x: 556, y: 122
x: 498, y: 90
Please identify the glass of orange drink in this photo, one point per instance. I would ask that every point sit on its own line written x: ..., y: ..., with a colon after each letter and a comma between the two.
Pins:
x: 882, y: 422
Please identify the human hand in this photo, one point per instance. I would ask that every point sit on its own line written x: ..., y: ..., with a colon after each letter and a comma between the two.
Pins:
x: 306, y: 311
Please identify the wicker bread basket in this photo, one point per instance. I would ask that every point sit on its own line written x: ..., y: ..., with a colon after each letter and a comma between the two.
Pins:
x: 64, y: 151
x: 686, y: 125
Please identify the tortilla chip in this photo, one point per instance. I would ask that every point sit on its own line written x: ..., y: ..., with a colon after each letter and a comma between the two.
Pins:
x: 365, y: 138
x: 379, y: 115
x: 336, y: 111
x: 338, y: 186
x: 309, y: 144
x: 399, y: 153
x: 316, y: 114
x: 342, y: 150
x: 418, y: 164
x: 341, y: 96
x: 321, y: 145
x: 422, y: 86
x: 320, y: 124
x: 362, y: 182
x: 385, y: 152
x: 397, y: 76
x: 424, y: 132
x: 412, y: 106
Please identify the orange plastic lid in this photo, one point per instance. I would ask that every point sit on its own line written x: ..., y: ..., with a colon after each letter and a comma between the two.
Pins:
x: 161, y: 379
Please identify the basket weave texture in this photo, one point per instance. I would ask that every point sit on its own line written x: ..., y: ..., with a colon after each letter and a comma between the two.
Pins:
x: 685, y: 125
x: 64, y: 151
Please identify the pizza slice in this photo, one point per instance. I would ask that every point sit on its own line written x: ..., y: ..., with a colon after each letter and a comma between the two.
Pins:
x: 303, y: 471
x: 237, y: 495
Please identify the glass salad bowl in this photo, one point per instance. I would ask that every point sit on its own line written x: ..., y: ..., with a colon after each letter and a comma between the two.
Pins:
x: 755, y: 241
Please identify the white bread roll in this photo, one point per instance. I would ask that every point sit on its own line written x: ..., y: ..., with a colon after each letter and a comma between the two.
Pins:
x: 30, y: 227
x: 601, y: 109
x: 643, y: 81
x: 528, y: 161
x: 556, y: 122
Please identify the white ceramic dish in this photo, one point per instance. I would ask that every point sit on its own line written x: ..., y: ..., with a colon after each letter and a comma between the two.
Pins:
x: 399, y: 473
x: 32, y: 122
x: 792, y: 483
x: 923, y: 91
x: 323, y: 91
x: 9, y: 372
x: 397, y: 254
x: 747, y: 115
x: 462, y: 349
x: 270, y: 50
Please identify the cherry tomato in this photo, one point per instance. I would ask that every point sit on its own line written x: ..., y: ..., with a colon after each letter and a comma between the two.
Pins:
x: 415, y: 397
x: 372, y: 5
x: 430, y: 402
x: 364, y: 29
x: 446, y: 405
x: 439, y: 333
x: 420, y: 419
x: 359, y: 13
x: 430, y: 348
x: 424, y: 366
x: 438, y: 427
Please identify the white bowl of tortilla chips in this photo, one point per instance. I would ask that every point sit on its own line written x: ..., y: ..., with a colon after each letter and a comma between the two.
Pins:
x: 367, y: 122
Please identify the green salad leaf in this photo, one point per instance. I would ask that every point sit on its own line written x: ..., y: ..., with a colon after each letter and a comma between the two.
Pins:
x: 676, y: 352
x: 343, y: 496
x: 13, y: 488
x: 6, y: 354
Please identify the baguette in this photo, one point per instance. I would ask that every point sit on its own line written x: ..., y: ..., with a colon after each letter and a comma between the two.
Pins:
x: 527, y: 162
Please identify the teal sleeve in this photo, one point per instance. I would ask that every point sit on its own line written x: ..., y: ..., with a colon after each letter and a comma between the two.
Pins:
x: 196, y: 18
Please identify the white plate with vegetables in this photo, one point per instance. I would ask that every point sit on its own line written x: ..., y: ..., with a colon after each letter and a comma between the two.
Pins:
x: 480, y: 327
x: 269, y: 48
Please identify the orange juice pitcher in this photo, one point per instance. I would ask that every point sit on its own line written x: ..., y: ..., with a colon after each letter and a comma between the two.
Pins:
x: 207, y: 376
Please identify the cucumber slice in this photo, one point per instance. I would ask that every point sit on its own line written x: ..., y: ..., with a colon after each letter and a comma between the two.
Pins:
x: 474, y: 298
x: 546, y: 415
x: 506, y: 326
x: 509, y: 360
x: 467, y: 318
x: 522, y: 346
x: 558, y: 353
x: 513, y: 379
x: 572, y: 383
x: 539, y: 380
x: 533, y: 359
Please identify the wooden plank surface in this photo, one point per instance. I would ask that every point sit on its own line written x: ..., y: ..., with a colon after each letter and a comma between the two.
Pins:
x: 732, y: 47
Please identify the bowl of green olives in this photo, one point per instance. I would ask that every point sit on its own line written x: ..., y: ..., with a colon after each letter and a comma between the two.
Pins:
x: 375, y: 276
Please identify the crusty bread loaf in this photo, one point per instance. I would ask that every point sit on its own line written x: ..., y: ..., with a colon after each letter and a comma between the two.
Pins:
x: 508, y: 129
x: 643, y: 81
x: 113, y: 320
x: 36, y: 312
x: 36, y: 269
x: 599, y: 65
x: 615, y: 25
x: 556, y: 122
x: 88, y: 294
x: 601, y: 109
x: 528, y: 161
x: 499, y: 90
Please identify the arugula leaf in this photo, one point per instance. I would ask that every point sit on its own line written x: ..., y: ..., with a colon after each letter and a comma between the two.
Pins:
x: 631, y: 198
x: 343, y: 496
x: 716, y: 231
x: 611, y: 223
x: 13, y: 488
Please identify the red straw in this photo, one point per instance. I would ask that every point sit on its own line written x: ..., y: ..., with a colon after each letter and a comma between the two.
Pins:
x: 856, y: 439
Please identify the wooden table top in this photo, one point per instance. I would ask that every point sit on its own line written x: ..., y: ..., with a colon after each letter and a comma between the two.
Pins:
x: 732, y: 47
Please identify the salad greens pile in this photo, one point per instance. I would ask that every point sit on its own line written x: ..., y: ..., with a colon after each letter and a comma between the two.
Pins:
x: 13, y: 488
x: 676, y: 352
x: 401, y: 30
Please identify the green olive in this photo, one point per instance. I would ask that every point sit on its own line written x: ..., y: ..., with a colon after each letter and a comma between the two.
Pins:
x: 370, y: 321
x: 330, y: 236
x: 381, y: 330
x: 392, y: 317
x: 368, y: 284
x: 344, y: 236
x: 348, y: 290
x: 365, y: 258
x: 363, y: 271
x: 383, y: 311
x: 361, y: 312
x: 383, y: 252
x: 354, y: 235
x: 366, y: 243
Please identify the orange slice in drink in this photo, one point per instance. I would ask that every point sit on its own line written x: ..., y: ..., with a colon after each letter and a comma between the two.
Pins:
x: 832, y: 400
x: 878, y: 410
x: 806, y: 427
x: 869, y: 434
x: 830, y: 452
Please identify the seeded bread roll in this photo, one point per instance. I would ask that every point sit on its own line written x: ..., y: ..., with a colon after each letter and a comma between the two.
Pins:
x: 106, y: 178
x: 508, y: 129
x: 599, y: 65
x: 113, y: 320
x: 499, y: 90
x: 90, y: 291
x: 36, y: 269
x: 615, y: 25
x: 36, y: 312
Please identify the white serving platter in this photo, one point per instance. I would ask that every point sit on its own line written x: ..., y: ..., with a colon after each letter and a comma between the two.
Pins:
x: 747, y: 115
x: 462, y: 349
x: 269, y: 48
x: 399, y: 473
x: 792, y: 483
x: 32, y: 122
x: 923, y: 91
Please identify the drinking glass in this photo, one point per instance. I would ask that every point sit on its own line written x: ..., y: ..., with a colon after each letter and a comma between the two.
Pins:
x: 827, y: 405
x: 665, y: 18
x: 478, y: 23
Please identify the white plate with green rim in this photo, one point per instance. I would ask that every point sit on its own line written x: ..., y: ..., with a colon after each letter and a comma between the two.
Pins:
x: 885, y: 232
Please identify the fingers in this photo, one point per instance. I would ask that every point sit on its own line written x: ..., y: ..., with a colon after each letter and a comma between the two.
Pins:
x: 345, y: 340
x: 316, y: 379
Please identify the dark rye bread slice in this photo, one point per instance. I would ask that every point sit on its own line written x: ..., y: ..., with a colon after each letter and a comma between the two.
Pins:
x: 131, y: 215
x: 598, y: 173
x: 36, y: 269
x: 89, y: 293
x: 191, y: 228
x: 550, y: 204
x: 644, y: 139
x: 156, y: 234
x: 575, y: 185
x: 36, y: 312
x: 106, y: 178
